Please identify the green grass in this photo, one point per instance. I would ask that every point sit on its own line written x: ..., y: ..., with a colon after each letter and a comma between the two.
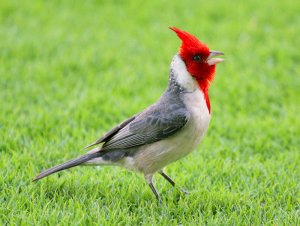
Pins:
x: 71, y: 70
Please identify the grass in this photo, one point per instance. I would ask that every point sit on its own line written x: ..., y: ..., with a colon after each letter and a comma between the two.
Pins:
x: 71, y: 70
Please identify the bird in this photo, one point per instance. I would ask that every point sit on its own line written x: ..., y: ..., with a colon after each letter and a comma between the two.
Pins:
x: 167, y: 130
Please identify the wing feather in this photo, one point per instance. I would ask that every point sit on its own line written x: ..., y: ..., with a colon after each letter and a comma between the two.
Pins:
x: 112, y: 132
x: 148, y: 128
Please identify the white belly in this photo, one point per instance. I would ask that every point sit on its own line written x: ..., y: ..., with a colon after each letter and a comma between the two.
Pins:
x: 153, y: 157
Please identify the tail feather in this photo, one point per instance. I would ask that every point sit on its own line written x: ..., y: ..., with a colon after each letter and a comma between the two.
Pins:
x: 67, y: 165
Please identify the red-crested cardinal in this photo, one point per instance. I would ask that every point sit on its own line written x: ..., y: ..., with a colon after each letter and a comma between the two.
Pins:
x: 167, y: 130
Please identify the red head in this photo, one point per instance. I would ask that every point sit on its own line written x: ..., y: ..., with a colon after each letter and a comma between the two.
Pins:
x: 198, y: 58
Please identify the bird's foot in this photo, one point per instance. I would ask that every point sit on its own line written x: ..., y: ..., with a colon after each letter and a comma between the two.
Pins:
x: 186, y: 192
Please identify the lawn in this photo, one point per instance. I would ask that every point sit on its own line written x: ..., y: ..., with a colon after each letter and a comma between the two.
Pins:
x: 71, y: 70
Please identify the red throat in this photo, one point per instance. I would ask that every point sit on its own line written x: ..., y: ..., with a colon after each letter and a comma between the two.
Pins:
x: 204, y: 87
x: 195, y: 53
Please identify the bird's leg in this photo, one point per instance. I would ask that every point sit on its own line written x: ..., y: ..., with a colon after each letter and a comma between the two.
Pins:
x: 169, y: 179
x: 148, y: 178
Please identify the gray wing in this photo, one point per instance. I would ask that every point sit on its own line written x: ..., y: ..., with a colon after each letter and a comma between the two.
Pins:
x: 148, y: 128
x: 112, y: 132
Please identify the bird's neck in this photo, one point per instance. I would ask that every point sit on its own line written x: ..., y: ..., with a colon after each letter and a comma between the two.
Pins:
x: 182, y: 80
x: 203, y: 85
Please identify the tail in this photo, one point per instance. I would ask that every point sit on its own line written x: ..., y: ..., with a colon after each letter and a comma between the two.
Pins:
x: 67, y: 165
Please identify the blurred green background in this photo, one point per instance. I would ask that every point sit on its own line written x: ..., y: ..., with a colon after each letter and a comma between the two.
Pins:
x: 70, y: 70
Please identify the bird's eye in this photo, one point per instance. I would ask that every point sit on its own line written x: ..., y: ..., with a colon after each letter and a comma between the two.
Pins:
x: 197, y: 57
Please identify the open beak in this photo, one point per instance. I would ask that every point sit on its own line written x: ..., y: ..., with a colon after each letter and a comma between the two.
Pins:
x: 213, y: 61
